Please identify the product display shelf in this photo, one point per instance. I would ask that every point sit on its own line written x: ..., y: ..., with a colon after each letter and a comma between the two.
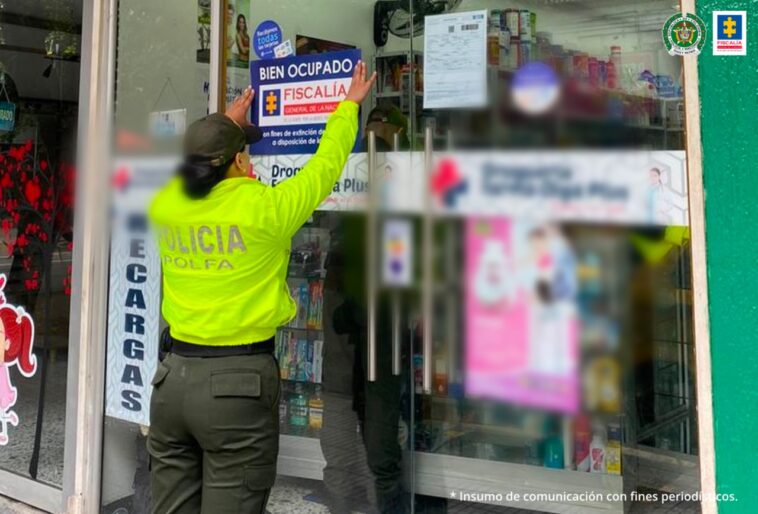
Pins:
x: 656, y: 133
x: 439, y: 475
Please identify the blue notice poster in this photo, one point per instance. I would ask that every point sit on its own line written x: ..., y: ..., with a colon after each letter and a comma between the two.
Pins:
x: 294, y: 97
x: 267, y: 36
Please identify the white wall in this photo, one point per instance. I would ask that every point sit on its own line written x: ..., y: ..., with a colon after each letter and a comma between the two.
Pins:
x: 344, y: 21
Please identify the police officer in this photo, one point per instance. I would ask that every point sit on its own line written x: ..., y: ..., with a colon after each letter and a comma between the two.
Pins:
x: 224, y: 243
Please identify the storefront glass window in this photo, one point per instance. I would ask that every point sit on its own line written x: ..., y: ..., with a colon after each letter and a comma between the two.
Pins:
x: 501, y: 304
x: 39, y: 88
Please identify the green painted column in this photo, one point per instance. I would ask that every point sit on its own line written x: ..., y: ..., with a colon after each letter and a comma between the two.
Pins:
x: 729, y: 119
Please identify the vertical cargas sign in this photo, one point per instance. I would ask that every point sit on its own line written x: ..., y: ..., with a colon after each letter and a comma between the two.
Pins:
x: 134, y: 290
x: 294, y: 97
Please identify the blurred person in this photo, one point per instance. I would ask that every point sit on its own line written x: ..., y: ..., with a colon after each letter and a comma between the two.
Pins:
x: 386, y: 121
x: 224, y: 242
x: 659, y: 201
x: 552, y: 293
x: 356, y: 410
x: 243, y: 40
x: 230, y: 42
x: 347, y: 478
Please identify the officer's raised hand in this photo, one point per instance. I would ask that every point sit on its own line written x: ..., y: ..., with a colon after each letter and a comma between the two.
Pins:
x: 239, y: 108
x: 360, y: 86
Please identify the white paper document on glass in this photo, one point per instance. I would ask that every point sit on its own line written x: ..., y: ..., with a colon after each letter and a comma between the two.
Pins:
x: 455, y: 60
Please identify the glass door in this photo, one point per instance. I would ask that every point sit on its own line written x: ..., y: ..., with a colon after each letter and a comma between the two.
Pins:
x: 555, y: 373
x: 345, y: 360
x: 345, y: 410
x: 162, y: 84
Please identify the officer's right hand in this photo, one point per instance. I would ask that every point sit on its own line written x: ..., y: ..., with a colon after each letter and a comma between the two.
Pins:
x: 359, y: 86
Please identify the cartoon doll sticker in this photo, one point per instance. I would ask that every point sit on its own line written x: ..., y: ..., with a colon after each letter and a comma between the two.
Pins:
x: 16, y: 339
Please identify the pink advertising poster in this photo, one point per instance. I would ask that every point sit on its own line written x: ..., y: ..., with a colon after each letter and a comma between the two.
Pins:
x: 521, y: 314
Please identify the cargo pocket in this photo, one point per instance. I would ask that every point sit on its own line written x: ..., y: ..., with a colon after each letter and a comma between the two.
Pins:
x: 258, y: 483
x: 160, y: 375
x: 236, y: 383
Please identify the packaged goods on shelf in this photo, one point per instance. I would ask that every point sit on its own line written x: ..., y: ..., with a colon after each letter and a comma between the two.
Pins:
x: 300, y: 359
x: 315, y: 304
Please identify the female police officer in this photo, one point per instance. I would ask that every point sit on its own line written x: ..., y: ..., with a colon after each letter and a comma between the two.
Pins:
x: 224, y: 242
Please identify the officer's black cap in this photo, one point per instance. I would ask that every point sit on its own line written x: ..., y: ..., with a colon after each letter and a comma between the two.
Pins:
x: 215, y: 139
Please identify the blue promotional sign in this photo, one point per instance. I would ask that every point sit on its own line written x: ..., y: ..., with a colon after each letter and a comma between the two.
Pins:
x: 267, y: 35
x: 7, y: 116
x: 294, y: 97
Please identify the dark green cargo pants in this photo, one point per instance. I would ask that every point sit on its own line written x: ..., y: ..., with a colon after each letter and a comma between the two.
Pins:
x: 214, y: 434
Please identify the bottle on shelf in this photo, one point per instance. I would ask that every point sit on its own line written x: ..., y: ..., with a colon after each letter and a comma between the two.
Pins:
x: 613, y: 450
x: 493, y: 38
x: 553, y: 445
x: 439, y: 382
x: 597, y: 452
x: 582, y: 438
x: 298, y: 411
x: 316, y: 411
x: 533, y: 425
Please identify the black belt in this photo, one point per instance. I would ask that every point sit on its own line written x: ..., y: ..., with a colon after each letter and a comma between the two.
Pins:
x: 186, y: 349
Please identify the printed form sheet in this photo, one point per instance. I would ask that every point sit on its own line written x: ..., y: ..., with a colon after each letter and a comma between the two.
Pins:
x: 455, y: 60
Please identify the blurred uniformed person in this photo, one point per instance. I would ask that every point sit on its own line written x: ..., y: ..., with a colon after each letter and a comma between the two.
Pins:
x: 224, y: 243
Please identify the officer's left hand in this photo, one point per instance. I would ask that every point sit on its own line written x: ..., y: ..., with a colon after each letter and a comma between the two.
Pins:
x: 238, y: 109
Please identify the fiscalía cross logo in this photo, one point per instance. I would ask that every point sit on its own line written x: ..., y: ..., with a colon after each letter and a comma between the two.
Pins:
x: 684, y: 34
x: 730, y: 33
x: 16, y: 340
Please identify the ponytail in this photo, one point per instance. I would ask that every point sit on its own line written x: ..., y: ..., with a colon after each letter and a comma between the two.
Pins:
x: 199, y: 178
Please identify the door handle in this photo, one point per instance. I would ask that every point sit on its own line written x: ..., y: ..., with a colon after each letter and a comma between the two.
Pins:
x: 396, y: 333
x: 396, y: 300
x: 371, y: 258
x: 427, y: 266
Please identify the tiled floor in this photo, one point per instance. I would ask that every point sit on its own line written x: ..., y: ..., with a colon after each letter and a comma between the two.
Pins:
x: 306, y: 497
x: 8, y: 506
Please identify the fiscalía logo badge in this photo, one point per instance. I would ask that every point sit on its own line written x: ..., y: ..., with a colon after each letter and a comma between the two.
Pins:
x: 730, y: 33
x: 684, y: 34
x: 16, y: 340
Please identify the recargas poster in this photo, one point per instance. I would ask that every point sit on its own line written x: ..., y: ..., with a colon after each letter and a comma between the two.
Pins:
x: 134, y: 290
x: 522, y: 327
